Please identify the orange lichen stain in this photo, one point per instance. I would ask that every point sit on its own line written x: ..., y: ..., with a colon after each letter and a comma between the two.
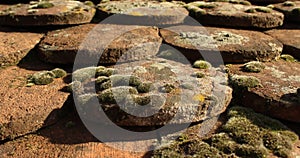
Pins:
x: 199, y: 97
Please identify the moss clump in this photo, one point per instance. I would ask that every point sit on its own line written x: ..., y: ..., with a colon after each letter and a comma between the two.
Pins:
x: 106, y: 72
x: 203, y: 5
x: 116, y: 94
x: 251, y: 151
x: 244, y: 3
x: 84, y: 73
x: 42, y: 78
x: 223, y: 142
x: 170, y: 54
x: 106, y: 85
x: 167, y: 88
x: 142, y: 100
x: 74, y: 86
x: 89, y: 3
x: 195, y: 11
x: 144, y: 87
x: 288, y: 4
x: 59, y: 72
x: 199, y: 75
x: 296, y: 11
x: 251, y: 10
x: 201, y: 64
x: 288, y: 58
x: 278, y: 144
x: 241, y: 81
x: 102, y: 79
x: 253, y: 66
x: 263, y: 9
x: 43, y: 5
x: 125, y: 80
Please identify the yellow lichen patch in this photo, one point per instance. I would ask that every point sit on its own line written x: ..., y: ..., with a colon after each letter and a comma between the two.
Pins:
x: 199, y: 97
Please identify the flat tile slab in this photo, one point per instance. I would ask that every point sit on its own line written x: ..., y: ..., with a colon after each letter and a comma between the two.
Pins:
x: 277, y: 95
x: 234, y: 15
x: 15, y: 45
x: 290, y: 39
x: 115, y: 43
x: 235, y: 46
x: 291, y: 10
x: 25, y: 109
x: 144, y: 12
x: 46, y: 13
x: 175, y: 95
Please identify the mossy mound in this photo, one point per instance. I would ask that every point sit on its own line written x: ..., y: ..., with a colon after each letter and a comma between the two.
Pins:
x: 245, y: 134
x: 253, y: 66
x: 201, y: 64
x: 244, y: 82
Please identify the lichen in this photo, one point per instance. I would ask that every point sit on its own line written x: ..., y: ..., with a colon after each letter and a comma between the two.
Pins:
x: 59, y: 72
x: 142, y: 100
x: 106, y: 72
x: 43, y: 5
x: 101, y: 79
x: 241, y: 81
x: 199, y: 74
x: 259, y: 9
x: 201, y: 64
x: 288, y: 58
x: 89, y: 3
x: 253, y: 66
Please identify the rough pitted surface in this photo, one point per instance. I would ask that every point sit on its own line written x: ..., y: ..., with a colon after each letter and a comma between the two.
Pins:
x: 144, y: 12
x: 290, y: 40
x: 68, y: 138
x: 46, y: 13
x: 235, y: 46
x: 61, y: 46
x: 24, y: 109
x: 291, y: 10
x: 15, y: 45
x: 277, y: 96
x: 202, y: 98
x: 234, y: 15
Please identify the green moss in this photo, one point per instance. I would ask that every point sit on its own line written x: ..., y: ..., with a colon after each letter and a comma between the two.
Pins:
x: 116, y: 94
x: 270, y: 6
x: 167, y: 88
x: 278, y: 144
x: 199, y: 75
x: 223, y: 142
x: 144, y: 87
x: 106, y: 72
x: 43, y: 5
x: 244, y: 3
x: 142, y: 100
x: 263, y: 9
x: 203, y: 5
x: 102, y: 79
x: 288, y: 4
x: 253, y: 66
x: 106, y: 85
x: 251, y: 151
x: 125, y: 80
x: 201, y: 64
x: 241, y: 81
x: 296, y: 11
x: 89, y: 3
x: 251, y: 10
x: 43, y: 78
x: 84, y: 74
x: 59, y: 72
x: 195, y: 11
x: 288, y: 58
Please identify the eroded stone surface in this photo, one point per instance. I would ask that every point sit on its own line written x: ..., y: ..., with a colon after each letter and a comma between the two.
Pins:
x: 234, y: 15
x: 277, y: 96
x: 290, y: 39
x: 176, y: 96
x: 15, y: 45
x: 122, y: 43
x: 25, y: 109
x: 144, y: 12
x: 235, y: 46
x: 291, y: 10
x: 46, y: 13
